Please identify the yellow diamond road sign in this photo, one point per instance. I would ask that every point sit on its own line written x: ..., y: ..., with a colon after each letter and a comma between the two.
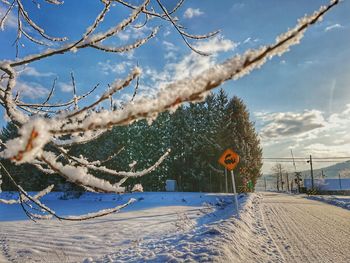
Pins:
x: 229, y: 159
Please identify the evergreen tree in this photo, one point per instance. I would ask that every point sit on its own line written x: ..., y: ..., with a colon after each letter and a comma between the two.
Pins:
x: 244, y: 140
x: 179, y: 139
x: 197, y: 134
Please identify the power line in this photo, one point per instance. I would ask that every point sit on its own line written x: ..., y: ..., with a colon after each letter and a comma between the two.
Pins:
x: 287, y: 158
x: 284, y: 161
x: 331, y: 157
x: 339, y: 169
x: 306, y: 158
x: 325, y: 161
x: 300, y: 161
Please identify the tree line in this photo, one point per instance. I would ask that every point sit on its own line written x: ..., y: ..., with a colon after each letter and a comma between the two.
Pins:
x: 197, y: 134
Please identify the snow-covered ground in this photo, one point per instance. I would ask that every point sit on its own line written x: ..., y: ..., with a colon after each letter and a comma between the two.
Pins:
x: 180, y: 227
x: 337, y: 200
x: 160, y: 227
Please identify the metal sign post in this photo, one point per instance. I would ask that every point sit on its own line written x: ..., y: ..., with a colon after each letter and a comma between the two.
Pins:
x: 229, y: 159
x: 234, y: 191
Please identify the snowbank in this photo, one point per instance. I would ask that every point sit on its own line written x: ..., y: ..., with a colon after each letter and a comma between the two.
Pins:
x: 341, y: 201
x: 226, y: 239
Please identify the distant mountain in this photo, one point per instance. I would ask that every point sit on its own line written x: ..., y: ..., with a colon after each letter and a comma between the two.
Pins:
x: 329, y: 172
x: 332, y: 171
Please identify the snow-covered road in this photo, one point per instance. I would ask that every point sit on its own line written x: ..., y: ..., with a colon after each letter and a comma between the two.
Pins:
x: 305, y: 230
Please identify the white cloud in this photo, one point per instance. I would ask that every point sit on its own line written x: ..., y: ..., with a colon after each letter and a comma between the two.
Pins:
x: 340, y: 122
x: 307, y: 132
x: 65, y: 87
x: 194, y: 64
x: 170, y: 56
x: 140, y: 32
x: 250, y: 41
x: 192, y: 12
x: 215, y: 45
x: 11, y: 20
x: 134, y: 33
x: 308, y: 63
x: 129, y: 55
x: 247, y: 40
x: 171, y: 50
x: 332, y: 27
x: 326, y: 150
x: 123, y: 36
x: 283, y: 62
x: 169, y: 46
x: 31, y: 90
x: 167, y: 32
x: 237, y: 6
x: 30, y: 71
x: 291, y: 124
x: 108, y: 67
x: 188, y: 65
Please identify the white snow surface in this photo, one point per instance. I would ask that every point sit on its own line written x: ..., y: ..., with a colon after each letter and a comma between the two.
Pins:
x: 180, y: 227
x: 337, y: 200
x: 159, y: 227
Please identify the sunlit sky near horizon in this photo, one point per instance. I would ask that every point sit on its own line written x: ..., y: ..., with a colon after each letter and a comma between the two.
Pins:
x: 299, y: 101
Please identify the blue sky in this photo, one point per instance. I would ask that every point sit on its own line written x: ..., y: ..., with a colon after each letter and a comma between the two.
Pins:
x: 299, y: 101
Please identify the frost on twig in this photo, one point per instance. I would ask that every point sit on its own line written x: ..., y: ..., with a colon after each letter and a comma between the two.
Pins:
x: 45, y: 212
x: 35, y: 197
x: 62, y: 125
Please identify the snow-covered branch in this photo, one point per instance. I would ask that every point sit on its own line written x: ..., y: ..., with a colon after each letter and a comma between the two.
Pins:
x: 96, y: 166
x: 35, y: 197
x: 79, y: 175
x: 48, y: 213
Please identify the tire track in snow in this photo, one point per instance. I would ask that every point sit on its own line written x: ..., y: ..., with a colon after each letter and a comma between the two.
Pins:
x: 5, y: 255
x: 293, y: 228
x: 320, y: 230
x: 320, y: 234
x: 282, y: 231
x: 333, y: 221
x: 269, y: 234
x: 305, y: 230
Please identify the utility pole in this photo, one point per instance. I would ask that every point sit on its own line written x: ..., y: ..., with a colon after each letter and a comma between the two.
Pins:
x: 295, y: 167
x: 295, y: 172
x: 288, y: 182
x: 312, y: 172
x: 281, y: 176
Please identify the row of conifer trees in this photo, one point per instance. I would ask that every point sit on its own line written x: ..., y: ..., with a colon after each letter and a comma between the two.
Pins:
x: 197, y: 134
